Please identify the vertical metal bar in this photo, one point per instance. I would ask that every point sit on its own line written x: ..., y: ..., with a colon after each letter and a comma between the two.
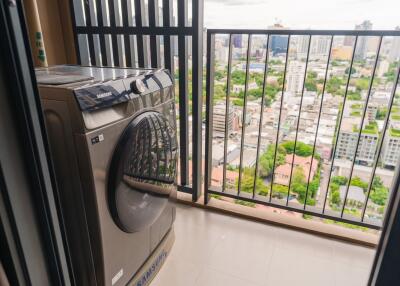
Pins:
x: 74, y: 24
x: 168, y: 44
x: 154, y: 40
x: 127, y: 42
x: 183, y: 94
x: 340, y: 122
x: 102, y: 40
x: 381, y: 140
x: 261, y: 116
x: 227, y: 102
x: 197, y: 95
x: 362, y: 124
x: 246, y: 87
x: 319, y: 118
x: 209, y: 112
x: 182, y: 13
x: 139, y: 13
x: 280, y: 114
x: 92, y: 54
x: 114, y: 42
x: 298, y: 120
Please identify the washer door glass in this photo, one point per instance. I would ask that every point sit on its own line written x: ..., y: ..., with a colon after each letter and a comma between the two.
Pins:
x: 142, y: 172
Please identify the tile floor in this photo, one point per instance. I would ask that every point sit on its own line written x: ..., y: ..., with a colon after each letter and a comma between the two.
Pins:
x: 217, y: 250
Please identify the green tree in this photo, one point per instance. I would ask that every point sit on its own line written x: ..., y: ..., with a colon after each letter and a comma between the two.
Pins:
x: 298, y: 184
x: 219, y: 92
x: 339, y: 180
x: 379, y: 193
x: 279, y: 191
x: 381, y: 113
x: 310, y: 85
x: 238, y: 102
x: 333, y: 85
x: 379, y: 196
x: 302, y: 149
x: 238, y: 77
x: 362, y: 83
x: 357, y: 182
x: 356, y: 95
x: 267, y: 160
x: 220, y: 74
x: 247, y: 182
x: 335, y: 197
x: 353, y: 70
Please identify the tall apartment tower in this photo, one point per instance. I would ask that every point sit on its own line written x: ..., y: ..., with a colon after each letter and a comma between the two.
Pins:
x: 394, y: 54
x: 295, y: 76
x: 361, y: 49
x: 219, y: 120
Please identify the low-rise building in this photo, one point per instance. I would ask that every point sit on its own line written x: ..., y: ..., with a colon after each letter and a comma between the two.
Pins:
x: 283, y: 172
x: 391, y: 147
x: 347, y: 144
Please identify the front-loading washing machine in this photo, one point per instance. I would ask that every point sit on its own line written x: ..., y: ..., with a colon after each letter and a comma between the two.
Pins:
x: 112, y: 135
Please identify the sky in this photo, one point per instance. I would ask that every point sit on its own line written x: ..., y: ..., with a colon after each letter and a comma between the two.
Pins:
x: 303, y: 14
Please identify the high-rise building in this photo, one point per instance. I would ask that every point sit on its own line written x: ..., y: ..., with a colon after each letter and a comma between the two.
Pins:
x: 302, y: 44
x: 295, y: 76
x: 320, y: 46
x: 394, y: 54
x: 278, y: 43
x: 219, y: 120
x: 362, y: 45
x: 237, y: 41
x: 383, y: 67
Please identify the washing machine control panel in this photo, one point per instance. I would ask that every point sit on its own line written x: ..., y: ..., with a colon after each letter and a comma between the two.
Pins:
x: 137, y: 86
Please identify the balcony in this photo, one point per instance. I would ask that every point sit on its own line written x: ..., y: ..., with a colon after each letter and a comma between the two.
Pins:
x: 213, y: 249
x: 301, y: 130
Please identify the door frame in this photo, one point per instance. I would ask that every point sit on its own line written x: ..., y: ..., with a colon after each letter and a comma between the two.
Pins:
x: 32, y: 248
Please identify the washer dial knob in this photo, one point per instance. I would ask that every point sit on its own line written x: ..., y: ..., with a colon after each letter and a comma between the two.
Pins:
x: 137, y: 86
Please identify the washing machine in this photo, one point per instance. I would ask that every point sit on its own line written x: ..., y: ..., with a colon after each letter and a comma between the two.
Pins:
x: 112, y: 136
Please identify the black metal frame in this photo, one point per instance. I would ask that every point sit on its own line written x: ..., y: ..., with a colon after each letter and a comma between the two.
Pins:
x: 148, y: 25
x: 208, y: 189
x: 32, y: 245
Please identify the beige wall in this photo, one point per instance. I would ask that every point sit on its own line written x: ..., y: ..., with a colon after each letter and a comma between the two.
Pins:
x: 56, y: 24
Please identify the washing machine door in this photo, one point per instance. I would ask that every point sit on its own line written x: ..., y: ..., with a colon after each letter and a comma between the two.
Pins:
x: 142, y: 172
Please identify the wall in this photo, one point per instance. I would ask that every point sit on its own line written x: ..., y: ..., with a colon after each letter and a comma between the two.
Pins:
x: 56, y: 24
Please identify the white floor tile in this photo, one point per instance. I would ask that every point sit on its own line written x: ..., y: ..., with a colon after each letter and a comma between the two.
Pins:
x: 211, y: 277
x: 213, y: 249
x: 176, y: 272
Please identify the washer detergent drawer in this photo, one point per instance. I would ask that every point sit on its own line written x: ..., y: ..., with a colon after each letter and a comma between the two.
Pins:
x: 142, y: 172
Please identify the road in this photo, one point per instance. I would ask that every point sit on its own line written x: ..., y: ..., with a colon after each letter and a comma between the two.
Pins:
x: 323, y: 185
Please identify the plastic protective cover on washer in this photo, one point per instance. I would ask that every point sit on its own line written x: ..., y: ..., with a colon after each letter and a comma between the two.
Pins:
x: 102, y: 86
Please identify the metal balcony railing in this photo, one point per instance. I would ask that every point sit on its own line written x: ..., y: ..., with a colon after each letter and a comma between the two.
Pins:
x: 151, y: 34
x: 307, y: 121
